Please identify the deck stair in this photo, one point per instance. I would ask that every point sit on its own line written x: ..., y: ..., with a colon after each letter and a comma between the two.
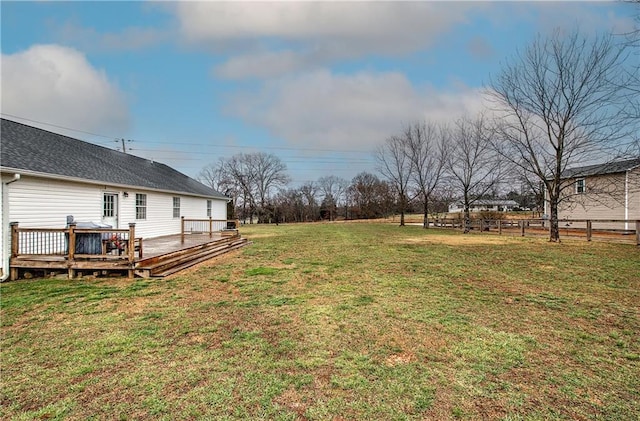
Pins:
x: 167, y: 264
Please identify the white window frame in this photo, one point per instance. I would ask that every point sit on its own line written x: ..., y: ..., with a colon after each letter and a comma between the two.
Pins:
x: 209, y: 208
x: 581, y: 186
x: 141, y: 206
x: 109, y: 206
x: 176, y: 207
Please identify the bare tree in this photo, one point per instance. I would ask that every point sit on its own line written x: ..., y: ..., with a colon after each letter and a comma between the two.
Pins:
x: 472, y: 166
x: 395, y: 165
x: 332, y: 189
x: 309, y: 192
x: 268, y: 172
x: 249, y: 179
x: 559, y: 105
x: 426, y: 146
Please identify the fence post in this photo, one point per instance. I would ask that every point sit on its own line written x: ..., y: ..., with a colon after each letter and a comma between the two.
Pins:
x: 499, y: 226
x: 522, y: 227
x: 72, y: 250
x: 588, y: 230
x: 132, y: 248
x: 638, y: 232
x: 182, y: 230
x: 210, y: 227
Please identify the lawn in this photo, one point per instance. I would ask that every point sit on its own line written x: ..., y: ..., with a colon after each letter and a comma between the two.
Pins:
x: 337, y: 322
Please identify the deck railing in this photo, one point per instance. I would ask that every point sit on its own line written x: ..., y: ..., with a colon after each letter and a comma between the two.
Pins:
x: 587, y: 228
x: 72, y: 243
x: 206, y: 226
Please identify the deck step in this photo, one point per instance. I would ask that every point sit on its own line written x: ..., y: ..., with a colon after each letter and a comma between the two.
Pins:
x: 167, y: 264
x: 174, y: 262
x: 200, y: 259
x: 152, y: 261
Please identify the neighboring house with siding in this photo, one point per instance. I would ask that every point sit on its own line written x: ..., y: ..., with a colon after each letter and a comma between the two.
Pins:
x: 61, y: 176
x: 604, y: 191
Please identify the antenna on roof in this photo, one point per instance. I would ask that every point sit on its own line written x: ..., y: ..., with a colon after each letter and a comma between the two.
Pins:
x: 124, y: 147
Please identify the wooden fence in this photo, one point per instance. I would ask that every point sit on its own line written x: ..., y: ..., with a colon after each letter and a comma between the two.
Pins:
x: 587, y: 228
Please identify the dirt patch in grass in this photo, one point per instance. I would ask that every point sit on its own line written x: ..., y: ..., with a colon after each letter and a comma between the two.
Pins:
x: 459, y: 239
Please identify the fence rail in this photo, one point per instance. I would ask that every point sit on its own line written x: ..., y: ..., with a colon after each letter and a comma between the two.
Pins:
x: 587, y: 228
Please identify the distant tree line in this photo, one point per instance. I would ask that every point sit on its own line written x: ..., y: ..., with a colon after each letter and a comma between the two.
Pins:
x: 558, y: 103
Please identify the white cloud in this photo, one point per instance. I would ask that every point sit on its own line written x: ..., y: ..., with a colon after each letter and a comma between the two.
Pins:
x: 57, y: 84
x: 348, y: 111
x: 313, y: 34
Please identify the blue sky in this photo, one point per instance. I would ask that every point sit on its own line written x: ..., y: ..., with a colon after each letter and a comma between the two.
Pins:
x: 319, y: 85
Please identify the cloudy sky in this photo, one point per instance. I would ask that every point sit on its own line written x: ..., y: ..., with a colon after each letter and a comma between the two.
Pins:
x: 319, y: 84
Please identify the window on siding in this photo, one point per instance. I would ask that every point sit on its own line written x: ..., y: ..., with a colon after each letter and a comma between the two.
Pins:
x: 141, y: 206
x: 209, y: 208
x: 580, y: 186
x: 176, y: 207
x: 108, y: 206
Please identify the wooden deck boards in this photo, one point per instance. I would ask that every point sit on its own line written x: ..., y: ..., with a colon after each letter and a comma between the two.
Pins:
x: 168, y: 252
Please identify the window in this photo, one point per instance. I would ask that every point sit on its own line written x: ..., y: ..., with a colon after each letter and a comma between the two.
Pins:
x: 580, y: 186
x: 108, y: 206
x: 209, y: 208
x: 141, y: 206
x: 176, y: 207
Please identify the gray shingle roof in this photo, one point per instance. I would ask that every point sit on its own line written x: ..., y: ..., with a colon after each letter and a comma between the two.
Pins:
x: 33, y: 149
x: 601, y: 169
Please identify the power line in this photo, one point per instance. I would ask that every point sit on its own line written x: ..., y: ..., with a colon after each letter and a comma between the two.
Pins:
x: 174, y: 142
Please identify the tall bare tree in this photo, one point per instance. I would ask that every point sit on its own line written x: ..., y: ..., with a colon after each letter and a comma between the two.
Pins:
x: 472, y: 166
x: 332, y: 189
x: 559, y: 103
x: 395, y: 165
x: 250, y: 178
x: 426, y: 145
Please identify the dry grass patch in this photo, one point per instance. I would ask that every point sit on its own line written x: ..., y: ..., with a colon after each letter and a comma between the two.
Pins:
x: 336, y: 321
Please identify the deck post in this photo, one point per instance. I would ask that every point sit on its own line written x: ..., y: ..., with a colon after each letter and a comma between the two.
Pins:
x: 13, y: 272
x: 210, y: 227
x: 638, y: 232
x: 131, y: 248
x: 588, y: 230
x: 72, y: 250
x: 182, y: 229
x: 14, y: 239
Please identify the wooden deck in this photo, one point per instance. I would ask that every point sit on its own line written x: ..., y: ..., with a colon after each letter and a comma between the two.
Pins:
x: 49, y: 252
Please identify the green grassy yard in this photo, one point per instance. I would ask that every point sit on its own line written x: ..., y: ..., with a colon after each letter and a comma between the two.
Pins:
x: 337, y: 322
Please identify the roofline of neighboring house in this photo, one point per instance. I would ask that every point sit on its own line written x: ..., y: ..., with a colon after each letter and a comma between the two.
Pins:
x: 21, y: 171
x: 577, y: 175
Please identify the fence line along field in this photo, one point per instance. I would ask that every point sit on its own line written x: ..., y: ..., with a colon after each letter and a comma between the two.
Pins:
x: 337, y: 322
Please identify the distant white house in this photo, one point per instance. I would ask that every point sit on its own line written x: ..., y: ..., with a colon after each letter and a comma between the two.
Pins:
x: 47, y: 177
x: 485, y: 205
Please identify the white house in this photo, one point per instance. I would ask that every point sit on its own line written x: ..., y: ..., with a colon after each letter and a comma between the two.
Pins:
x: 484, y: 205
x: 48, y: 176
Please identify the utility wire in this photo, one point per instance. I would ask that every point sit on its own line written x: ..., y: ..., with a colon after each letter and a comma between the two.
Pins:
x: 190, y: 143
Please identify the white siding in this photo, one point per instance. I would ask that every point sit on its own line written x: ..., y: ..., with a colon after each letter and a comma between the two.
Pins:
x: 160, y: 220
x: 608, y: 202
x: 44, y: 203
